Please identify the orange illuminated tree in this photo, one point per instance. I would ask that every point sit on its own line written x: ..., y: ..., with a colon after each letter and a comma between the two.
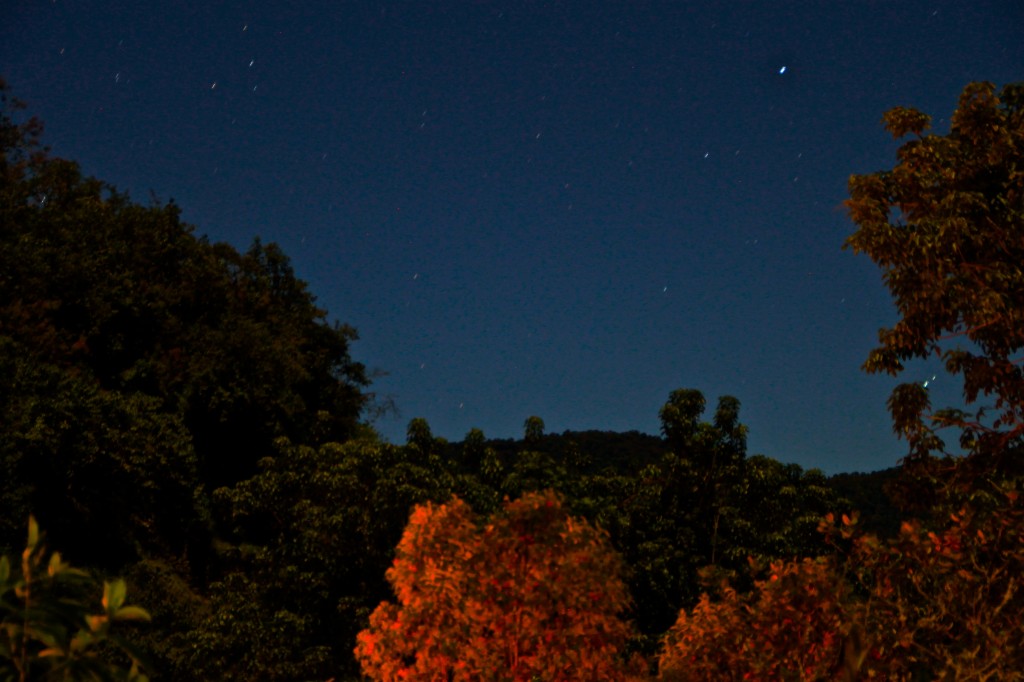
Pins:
x: 530, y: 593
x: 793, y: 625
x: 930, y: 604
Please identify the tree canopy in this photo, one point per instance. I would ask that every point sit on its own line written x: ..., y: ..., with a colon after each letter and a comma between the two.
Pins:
x: 530, y: 593
x: 946, y: 226
x: 139, y: 357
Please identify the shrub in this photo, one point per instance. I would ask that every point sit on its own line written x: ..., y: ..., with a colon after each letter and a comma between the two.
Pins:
x: 50, y: 631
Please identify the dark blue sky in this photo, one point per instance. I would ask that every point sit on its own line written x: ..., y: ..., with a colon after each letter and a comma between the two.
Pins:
x: 558, y: 209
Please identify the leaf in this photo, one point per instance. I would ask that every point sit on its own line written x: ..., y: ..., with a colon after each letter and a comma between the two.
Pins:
x: 56, y: 566
x: 33, y: 534
x: 96, y: 623
x: 132, y: 613
x: 113, y: 595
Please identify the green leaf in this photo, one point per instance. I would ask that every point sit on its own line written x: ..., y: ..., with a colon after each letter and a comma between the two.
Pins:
x: 33, y: 533
x: 131, y: 613
x: 56, y: 566
x: 113, y: 595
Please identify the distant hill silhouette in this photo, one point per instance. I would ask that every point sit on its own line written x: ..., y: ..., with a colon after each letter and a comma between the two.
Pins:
x: 628, y: 452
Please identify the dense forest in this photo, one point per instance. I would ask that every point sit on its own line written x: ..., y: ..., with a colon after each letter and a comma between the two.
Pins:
x: 188, y: 441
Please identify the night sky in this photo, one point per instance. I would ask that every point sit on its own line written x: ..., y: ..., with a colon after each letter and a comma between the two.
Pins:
x: 560, y: 209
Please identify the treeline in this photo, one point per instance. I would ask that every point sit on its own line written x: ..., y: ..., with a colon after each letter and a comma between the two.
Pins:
x: 182, y: 414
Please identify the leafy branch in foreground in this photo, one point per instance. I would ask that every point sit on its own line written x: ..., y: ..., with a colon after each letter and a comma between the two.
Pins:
x: 48, y: 630
x: 946, y: 225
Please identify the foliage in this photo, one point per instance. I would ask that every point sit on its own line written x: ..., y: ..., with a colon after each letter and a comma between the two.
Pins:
x: 311, y: 536
x: 141, y: 369
x: 419, y: 437
x: 930, y: 604
x: 944, y: 602
x: 946, y: 225
x: 138, y: 356
x: 775, y: 513
x: 48, y: 629
x: 609, y: 451
x: 177, y: 608
x: 670, y: 513
x: 529, y: 594
x: 68, y: 444
x: 869, y: 494
x: 790, y: 627
x: 705, y: 503
x: 714, y: 453
x: 533, y: 429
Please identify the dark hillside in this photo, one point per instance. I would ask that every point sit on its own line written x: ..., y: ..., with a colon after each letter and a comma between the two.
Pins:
x: 603, y: 450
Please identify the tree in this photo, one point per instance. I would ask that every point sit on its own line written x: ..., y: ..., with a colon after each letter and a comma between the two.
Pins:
x: 946, y: 225
x: 711, y: 456
x: 307, y: 542
x: 792, y: 626
x: 929, y: 604
x: 473, y: 447
x: 532, y: 471
x: 704, y: 504
x: 533, y: 430
x: 869, y: 495
x: 419, y: 436
x: 529, y: 594
x: 137, y: 356
x: 943, y: 600
x: 67, y: 444
x: 775, y: 513
x: 714, y: 451
x: 142, y: 369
